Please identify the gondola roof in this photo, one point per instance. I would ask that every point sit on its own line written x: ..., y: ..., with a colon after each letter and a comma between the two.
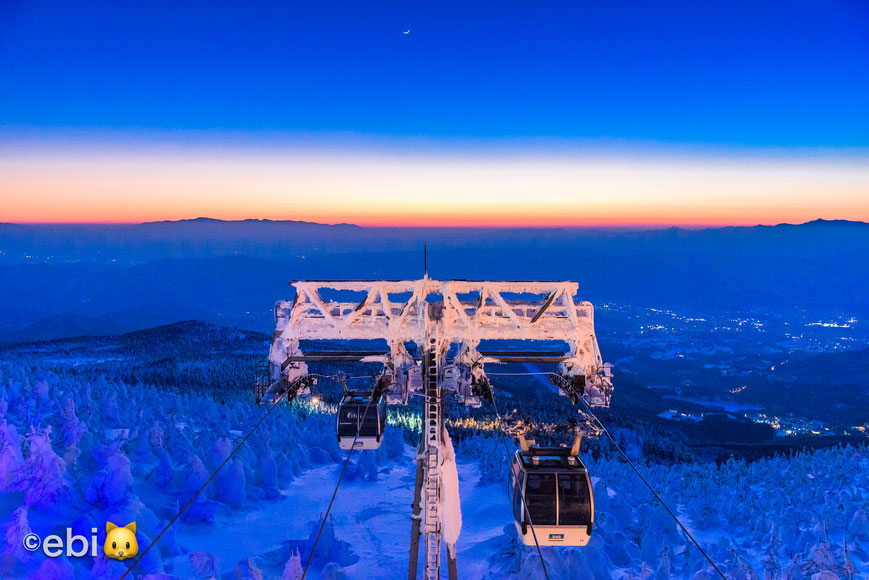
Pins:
x: 357, y: 398
x: 557, y: 458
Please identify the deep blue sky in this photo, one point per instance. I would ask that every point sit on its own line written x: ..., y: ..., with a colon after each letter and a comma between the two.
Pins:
x: 793, y: 74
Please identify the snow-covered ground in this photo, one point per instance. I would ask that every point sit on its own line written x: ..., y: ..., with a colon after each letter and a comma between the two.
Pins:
x: 373, y: 517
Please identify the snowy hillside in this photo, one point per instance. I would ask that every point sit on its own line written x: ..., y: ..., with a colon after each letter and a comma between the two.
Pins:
x: 78, y: 451
x: 137, y: 422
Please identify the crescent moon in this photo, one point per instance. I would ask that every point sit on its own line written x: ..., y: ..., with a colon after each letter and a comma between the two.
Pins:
x: 406, y: 31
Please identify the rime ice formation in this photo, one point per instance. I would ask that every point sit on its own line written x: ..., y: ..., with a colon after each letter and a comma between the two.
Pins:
x: 451, y: 510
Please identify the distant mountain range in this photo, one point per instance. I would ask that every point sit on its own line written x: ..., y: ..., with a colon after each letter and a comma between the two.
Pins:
x: 66, y: 280
x: 279, y: 240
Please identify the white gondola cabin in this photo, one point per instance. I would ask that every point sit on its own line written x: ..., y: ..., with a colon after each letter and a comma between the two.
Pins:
x: 353, y: 418
x: 558, y: 495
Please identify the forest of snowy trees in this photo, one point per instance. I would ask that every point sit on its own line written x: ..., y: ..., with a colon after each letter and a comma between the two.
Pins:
x: 78, y: 449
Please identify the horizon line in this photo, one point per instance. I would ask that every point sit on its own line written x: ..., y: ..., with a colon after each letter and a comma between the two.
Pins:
x: 460, y: 225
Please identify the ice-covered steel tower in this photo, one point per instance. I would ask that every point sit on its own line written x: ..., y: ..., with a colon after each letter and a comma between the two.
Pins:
x: 447, y: 321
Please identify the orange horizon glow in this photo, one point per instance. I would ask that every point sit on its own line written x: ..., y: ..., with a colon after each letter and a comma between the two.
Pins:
x: 412, y: 222
x: 428, y: 190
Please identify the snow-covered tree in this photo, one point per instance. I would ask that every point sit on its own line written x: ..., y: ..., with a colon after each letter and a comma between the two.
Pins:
x: 42, y: 478
x: 112, y: 484
x: 54, y: 569
x: 16, y: 530
x: 11, y: 460
x: 247, y: 570
x: 231, y: 483
x: 663, y: 570
x: 771, y: 568
x: 293, y: 569
x: 204, y: 565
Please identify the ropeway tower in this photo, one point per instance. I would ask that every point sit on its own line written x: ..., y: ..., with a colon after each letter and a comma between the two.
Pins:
x: 447, y: 321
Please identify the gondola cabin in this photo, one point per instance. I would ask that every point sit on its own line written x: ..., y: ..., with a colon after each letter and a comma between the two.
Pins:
x: 557, y: 492
x: 353, y: 418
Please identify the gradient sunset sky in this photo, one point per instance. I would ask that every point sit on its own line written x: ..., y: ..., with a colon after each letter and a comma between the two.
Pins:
x: 502, y: 113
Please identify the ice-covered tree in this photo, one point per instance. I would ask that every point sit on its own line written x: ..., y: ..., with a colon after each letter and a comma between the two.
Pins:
x: 220, y: 450
x: 112, y: 484
x: 332, y: 571
x: 204, y: 565
x: 231, y: 483
x: 197, y: 475
x: 72, y: 429
x: 42, y: 478
x: 793, y: 570
x: 164, y: 473
x: 293, y: 569
x: 247, y: 570
x: 268, y: 471
x: 663, y: 570
x: 771, y: 568
x: 858, y: 528
x: 822, y: 558
x: 17, y: 529
x: 11, y: 459
x: 54, y: 569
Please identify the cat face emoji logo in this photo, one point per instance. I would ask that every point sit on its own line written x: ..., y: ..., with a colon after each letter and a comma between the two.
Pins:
x: 121, y: 542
